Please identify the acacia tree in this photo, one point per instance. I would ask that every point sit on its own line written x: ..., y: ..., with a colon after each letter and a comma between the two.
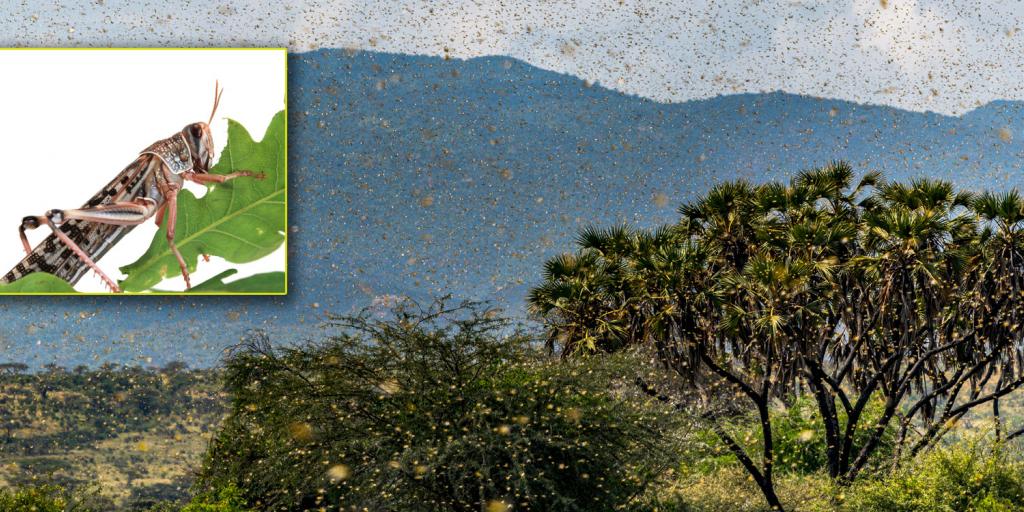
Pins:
x: 434, y: 408
x: 900, y: 298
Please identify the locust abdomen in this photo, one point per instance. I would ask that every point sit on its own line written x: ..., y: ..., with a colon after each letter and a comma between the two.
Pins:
x: 95, y: 239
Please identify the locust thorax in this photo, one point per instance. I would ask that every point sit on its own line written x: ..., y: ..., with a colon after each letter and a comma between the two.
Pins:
x: 200, y: 142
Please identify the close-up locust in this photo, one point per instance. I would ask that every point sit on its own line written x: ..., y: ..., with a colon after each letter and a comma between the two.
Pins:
x: 146, y: 189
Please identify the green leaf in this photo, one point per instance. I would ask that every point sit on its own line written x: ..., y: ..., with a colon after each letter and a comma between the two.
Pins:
x: 241, y: 220
x: 269, y: 282
x: 37, y: 282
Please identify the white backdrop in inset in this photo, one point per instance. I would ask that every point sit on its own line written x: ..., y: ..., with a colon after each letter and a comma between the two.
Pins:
x: 73, y: 119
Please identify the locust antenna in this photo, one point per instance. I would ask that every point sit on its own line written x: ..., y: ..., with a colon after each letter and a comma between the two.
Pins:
x: 217, y: 92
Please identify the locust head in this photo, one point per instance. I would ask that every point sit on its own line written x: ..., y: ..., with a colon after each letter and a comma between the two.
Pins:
x: 200, y: 143
x: 200, y: 140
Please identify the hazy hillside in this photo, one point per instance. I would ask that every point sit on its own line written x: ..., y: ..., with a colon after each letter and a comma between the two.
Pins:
x: 130, y: 435
x: 417, y: 175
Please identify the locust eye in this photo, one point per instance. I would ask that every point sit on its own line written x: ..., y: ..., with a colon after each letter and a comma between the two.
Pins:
x: 197, y: 131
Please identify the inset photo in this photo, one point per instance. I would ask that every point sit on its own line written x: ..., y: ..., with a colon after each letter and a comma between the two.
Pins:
x: 144, y: 171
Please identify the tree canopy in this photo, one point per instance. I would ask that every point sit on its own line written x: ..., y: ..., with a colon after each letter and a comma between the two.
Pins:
x: 432, y: 408
x: 906, y: 295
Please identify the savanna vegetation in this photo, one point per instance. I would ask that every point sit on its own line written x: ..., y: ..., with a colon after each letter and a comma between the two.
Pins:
x: 820, y: 345
x: 901, y: 296
x: 121, y: 437
x: 434, y: 408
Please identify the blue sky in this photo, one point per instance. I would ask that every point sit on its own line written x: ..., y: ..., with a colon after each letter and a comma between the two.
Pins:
x: 947, y: 57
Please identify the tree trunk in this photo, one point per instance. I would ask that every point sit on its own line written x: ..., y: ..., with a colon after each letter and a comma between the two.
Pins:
x: 995, y: 415
x: 763, y: 480
x: 769, y: 494
x: 768, y: 462
x: 827, y: 410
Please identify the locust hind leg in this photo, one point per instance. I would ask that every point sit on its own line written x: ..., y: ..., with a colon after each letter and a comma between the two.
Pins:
x: 83, y: 256
x: 122, y: 214
x: 172, y: 219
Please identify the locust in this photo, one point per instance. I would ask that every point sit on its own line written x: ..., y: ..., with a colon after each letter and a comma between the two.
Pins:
x: 146, y: 189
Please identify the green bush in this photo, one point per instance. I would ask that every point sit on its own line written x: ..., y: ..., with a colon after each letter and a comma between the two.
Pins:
x: 434, y: 409
x: 969, y: 476
x: 46, y: 498
x: 226, y: 499
x: 965, y: 477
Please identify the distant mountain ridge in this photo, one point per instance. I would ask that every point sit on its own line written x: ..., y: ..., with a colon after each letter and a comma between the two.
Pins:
x: 419, y: 175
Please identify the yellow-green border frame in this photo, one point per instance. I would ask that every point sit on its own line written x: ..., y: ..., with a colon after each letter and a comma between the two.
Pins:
x: 286, y: 189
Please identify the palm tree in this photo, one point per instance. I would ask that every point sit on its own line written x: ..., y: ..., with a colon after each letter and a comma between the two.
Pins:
x: 907, y: 294
x: 724, y: 218
x: 583, y: 302
x: 998, y: 278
